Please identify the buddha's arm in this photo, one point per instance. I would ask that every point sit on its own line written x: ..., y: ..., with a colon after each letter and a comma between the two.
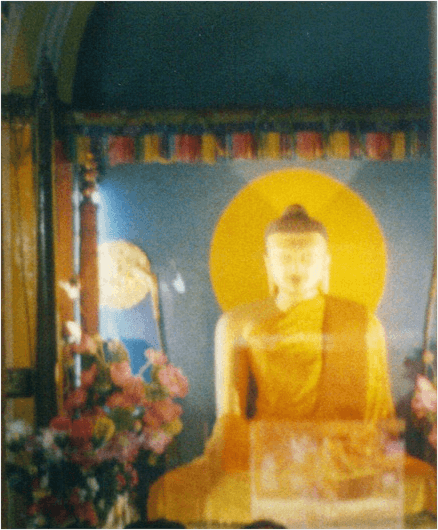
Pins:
x: 379, y: 399
x: 231, y: 368
x: 229, y: 443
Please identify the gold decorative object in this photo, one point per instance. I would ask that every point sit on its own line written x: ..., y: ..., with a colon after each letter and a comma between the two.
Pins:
x: 125, y: 276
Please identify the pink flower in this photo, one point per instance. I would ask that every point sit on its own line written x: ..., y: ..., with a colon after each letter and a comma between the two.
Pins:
x: 130, y: 446
x: 157, y: 358
x: 159, y: 412
x: 135, y: 387
x: 152, y: 418
x: 168, y: 410
x: 432, y: 436
x: 174, y: 381
x: 425, y: 397
x: 158, y: 442
x: 120, y: 373
x: 120, y: 399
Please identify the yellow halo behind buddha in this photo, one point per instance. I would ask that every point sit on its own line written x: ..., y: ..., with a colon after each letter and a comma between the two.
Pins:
x: 356, y: 243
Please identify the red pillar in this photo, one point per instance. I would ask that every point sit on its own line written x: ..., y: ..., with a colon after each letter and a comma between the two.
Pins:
x: 89, y: 270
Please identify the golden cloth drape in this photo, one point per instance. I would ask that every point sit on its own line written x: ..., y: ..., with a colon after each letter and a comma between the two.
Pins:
x: 19, y: 255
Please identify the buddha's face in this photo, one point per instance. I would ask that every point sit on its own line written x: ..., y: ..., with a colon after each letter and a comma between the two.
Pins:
x: 297, y: 263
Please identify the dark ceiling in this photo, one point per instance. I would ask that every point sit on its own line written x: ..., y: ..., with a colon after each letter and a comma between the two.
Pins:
x: 254, y: 54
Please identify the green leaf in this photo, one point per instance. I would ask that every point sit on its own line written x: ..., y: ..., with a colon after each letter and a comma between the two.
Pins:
x: 122, y: 418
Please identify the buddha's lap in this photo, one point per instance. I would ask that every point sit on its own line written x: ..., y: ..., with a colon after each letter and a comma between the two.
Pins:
x: 203, y: 490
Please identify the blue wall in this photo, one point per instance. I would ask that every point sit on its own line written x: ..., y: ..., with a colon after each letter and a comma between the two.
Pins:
x: 170, y: 211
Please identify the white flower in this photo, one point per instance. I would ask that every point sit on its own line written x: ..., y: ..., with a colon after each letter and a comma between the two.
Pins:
x: 82, y: 495
x: 48, y: 439
x: 44, y: 484
x: 40, y: 521
x: 93, y: 485
x: 72, y: 288
x: 16, y: 429
x: 72, y: 332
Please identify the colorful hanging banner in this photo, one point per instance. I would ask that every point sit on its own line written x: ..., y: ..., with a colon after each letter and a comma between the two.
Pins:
x: 152, y: 148
x: 308, y: 144
x: 286, y: 145
x: 398, y: 145
x: 251, y: 135
x: 187, y: 148
x: 269, y: 146
x: 339, y: 145
x: 378, y: 146
x: 83, y: 147
x: 210, y: 149
x: 243, y: 146
x: 121, y: 150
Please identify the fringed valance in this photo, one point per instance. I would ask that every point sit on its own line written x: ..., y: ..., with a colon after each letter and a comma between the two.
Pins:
x: 208, y: 137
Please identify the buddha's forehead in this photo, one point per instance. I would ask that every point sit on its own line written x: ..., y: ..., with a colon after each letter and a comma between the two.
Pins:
x: 296, y: 241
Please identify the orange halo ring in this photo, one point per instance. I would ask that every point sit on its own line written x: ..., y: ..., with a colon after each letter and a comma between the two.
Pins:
x: 356, y: 242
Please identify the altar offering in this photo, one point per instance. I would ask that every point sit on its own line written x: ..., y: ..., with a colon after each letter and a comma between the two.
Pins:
x: 329, y: 475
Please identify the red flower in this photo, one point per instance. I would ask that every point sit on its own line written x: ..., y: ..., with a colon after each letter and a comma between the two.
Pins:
x: 432, y: 436
x: 88, y: 376
x: 51, y: 507
x: 134, y: 476
x: 83, y: 456
x: 121, y: 481
x: 76, y: 399
x: 74, y: 497
x: 93, y: 413
x: 61, y: 423
x: 33, y: 509
x: 85, y: 512
x: 82, y: 429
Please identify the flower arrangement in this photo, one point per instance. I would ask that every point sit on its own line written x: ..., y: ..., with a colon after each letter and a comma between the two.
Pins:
x: 424, y: 405
x: 82, y: 467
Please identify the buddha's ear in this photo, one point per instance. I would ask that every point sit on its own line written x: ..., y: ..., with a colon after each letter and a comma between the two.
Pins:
x: 273, y: 290
x: 325, y: 280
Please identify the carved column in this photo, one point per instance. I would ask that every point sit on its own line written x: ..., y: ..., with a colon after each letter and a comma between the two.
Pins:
x: 46, y: 349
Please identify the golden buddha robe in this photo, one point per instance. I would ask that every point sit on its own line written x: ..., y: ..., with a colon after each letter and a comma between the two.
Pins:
x: 322, y: 360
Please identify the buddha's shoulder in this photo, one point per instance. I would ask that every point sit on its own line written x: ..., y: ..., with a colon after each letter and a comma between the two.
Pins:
x: 345, y: 306
x: 249, y: 314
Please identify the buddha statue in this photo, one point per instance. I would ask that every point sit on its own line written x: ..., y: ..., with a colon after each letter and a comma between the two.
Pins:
x: 301, y: 354
x: 298, y: 355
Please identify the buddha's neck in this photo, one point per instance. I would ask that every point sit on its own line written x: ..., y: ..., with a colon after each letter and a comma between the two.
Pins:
x: 287, y: 300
